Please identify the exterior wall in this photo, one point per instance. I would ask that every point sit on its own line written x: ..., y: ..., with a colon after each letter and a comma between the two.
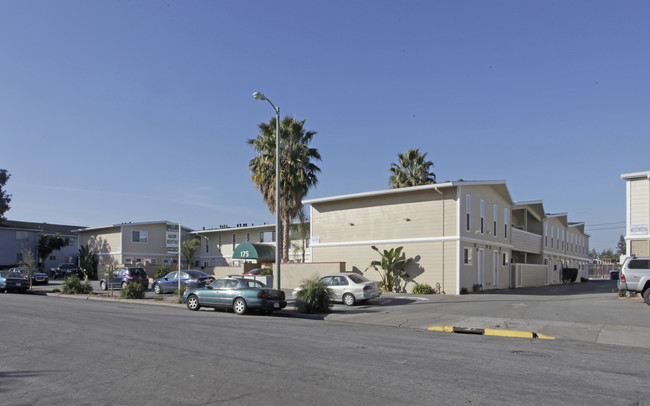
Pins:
x: 526, y: 242
x: 106, y: 243
x: 638, y: 215
x: 18, y: 235
x: 13, y: 241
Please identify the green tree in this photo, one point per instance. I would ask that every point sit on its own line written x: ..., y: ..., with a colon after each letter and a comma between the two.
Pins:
x: 621, y: 247
x: 28, y: 263
x: 48, y: 244
x: 88, y: 261
x: 300, y: 233
x: 412, y: 170
x: 5, y: 198
x: 188, y: 249
x: 297, y: 169
x: 393, y: 267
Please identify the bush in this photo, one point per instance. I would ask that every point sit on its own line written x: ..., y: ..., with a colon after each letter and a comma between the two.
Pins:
x: 423, y: 289
x: 266, y: 272
x: 464, y: 291
x: 73, y: 286
x: 569, y: 275
x: 133, y: 290
x: 180, y: 293
x: 315, y: 297
x: 476, y: 287
x: 161, y: 271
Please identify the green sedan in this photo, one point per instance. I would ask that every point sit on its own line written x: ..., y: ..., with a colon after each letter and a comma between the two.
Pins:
x: 236, y: 293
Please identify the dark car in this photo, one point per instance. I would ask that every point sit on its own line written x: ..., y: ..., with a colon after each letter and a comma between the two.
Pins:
x: 236, y: 293
x: 13, y: 281
x: 38, y: 278
x: 193, y: 279
x: 122, y: 276
x: 66, y: 269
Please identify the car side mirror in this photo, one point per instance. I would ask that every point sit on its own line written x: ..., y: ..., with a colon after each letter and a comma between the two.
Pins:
x: 209, y: 287
x: 166, y: 279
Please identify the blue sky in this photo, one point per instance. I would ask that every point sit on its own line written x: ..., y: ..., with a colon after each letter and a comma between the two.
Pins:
x: 117, y: 111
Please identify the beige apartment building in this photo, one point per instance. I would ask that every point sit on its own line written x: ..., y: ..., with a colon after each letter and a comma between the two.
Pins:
x: 462, y: 234
x: 637, y: 210
x: 127, y: 244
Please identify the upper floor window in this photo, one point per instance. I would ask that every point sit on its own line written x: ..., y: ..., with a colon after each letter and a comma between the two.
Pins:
x: 248, y: 237
x: 467, y: 210
x: 22, y: 236
x: 140, y: 236
x: 482, y: 216
x: 494, y: 214
x: 546, y: 235
x: 505, y: 223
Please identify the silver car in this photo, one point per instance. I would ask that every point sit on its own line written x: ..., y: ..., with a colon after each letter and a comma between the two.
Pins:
x: 350, y: 288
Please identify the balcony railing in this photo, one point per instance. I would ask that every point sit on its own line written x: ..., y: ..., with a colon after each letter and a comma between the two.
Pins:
x: 526, y: 242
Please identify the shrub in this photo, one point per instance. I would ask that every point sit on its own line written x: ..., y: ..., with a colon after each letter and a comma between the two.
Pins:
x: 622, y: 293
x: 132, y: 290
x: 569, y: 275
x: 464, y: 291
x: 476, y: 287
x: 180, y: 293
x: 315, y: 297
x: 266, y: 272
x: 161, y: 271
x: 583, y: 279
x: 73, y: 286
x: 423, y: 289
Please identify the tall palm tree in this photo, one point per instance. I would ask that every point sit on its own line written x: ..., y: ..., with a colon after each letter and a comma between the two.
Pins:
x: 412, y: 170
x: 297, y: 170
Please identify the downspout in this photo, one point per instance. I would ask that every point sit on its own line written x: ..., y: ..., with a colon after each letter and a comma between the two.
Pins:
x: 443, y: 241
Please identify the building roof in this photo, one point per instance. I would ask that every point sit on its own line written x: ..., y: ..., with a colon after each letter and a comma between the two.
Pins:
x: 499, y: 185
x: 230, y: 229
x: 132, y: 224
x: 43, y: 228
x: 535, y: 207
x: 636, y: 175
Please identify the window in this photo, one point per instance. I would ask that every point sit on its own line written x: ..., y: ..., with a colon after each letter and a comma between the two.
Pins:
x: 153, y: 261
x: 505, y: 223
x: 22, y: 236
x: 261, y: 236
x: 467, y: 256
x: 494, y: 216
x: 552, y: 235
x: 546, y: 235
x: 127, y: 261
x: 207, y: 247
x: 482, y: 215
x: 505, y: 259
x: 140, y: 236
x: 52, y: 257
x: 467, y: 210
x: 72, y: 242
x: 248, y: 237
x: 234, y: 240
x: 267, y: 236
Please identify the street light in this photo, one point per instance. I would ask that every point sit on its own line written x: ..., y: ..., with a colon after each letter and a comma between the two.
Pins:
x: 278, y: 235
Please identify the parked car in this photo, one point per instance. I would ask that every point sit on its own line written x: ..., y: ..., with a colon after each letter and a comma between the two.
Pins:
x: 236, y: 293
x: 255, y: 271
x: 13, y: 281
x: 193, y: 279
x: 349, y: 288
x: 38, y: 278
x: 635, y: 276
x: 66, y: 269
x: 122, y: 276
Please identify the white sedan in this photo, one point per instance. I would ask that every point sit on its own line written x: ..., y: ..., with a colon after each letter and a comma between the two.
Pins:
x: 349, y: 288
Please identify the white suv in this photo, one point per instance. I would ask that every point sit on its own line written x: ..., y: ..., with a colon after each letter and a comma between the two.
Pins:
x: 635, y: 276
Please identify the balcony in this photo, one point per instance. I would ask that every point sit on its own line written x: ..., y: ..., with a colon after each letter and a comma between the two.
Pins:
x: 525, y: 241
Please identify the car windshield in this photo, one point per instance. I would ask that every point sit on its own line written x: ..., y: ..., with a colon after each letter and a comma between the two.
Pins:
x: 197, y: 274
x: 13, y: 275
x: 357, y: 278
x: 253, y: 283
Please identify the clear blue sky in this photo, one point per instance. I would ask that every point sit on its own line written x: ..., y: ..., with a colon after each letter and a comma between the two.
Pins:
x: 115, y: 111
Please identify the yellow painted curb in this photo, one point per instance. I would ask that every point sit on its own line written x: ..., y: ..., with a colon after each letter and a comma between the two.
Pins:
x: 545, y: 337
x: 508, y: 333
x: 444, y: 329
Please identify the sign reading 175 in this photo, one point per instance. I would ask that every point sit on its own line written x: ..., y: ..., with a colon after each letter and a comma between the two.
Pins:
x: 244, y: 254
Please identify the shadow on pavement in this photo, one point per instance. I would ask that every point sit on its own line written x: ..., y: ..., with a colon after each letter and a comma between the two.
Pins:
x: 577, y: 288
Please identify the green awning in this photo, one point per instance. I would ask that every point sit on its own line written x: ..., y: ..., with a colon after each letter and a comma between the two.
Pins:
x: 247, y: 250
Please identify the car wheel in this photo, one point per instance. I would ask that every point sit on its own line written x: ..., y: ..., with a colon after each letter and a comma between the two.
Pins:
x: 157, y: 289
x: 646, y: 296
x: 239, y: 306
x: 193, y: 303
x: 102, y: 285
x: 349, y: 299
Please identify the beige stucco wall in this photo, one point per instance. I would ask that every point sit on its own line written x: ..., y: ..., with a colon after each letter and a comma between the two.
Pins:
x: 640, y: 248
x: 530, y: 275
x: 403, y: 215
x: 490, y: 197
x: 640, y: 201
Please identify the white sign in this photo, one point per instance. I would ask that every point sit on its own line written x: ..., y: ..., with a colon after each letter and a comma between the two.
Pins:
x: 639, y: 229
x: 172, y: 238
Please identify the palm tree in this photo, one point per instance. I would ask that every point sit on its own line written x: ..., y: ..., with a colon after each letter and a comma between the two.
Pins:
x: 412, y: 170
x: 297, y: 170
x: 300, y: 231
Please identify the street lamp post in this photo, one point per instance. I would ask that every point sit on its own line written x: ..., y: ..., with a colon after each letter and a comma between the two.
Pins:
x: 278, y: 235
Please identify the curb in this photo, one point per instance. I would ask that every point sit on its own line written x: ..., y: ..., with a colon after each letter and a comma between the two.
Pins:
x: 490, y: 332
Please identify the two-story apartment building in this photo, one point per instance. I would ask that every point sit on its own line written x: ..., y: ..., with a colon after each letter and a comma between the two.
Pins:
x: 132, y: 243
x: 461, y: 234
x: 16, y: 236
x: 637, y: 210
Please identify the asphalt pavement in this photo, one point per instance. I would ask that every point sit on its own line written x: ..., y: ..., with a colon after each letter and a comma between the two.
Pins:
x: 589, y: 312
